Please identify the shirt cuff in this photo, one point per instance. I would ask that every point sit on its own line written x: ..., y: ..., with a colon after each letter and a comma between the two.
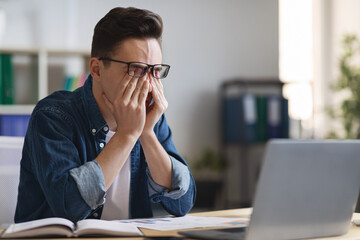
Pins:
x: 90, y: 182
x: 180, y: 181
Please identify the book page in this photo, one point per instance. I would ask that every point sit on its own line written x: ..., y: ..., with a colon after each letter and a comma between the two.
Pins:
x: 47, y: 231
x: 42, y: 227
x: 186, y: 222
x: 103, y: 227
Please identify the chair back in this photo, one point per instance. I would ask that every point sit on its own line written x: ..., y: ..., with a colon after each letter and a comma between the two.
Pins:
x: 10, y: 156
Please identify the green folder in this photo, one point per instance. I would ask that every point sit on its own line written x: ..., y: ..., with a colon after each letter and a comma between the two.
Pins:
x: 7, y: 79
x: 1, y: 80
x: 261, y: 125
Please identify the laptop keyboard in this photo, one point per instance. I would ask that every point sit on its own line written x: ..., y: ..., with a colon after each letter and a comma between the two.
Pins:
x: 232, y: 230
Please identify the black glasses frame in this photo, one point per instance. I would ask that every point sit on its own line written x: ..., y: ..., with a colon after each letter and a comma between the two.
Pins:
x: 147, y: 68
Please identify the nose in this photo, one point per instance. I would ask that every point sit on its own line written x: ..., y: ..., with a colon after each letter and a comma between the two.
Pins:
x: 149, y: 72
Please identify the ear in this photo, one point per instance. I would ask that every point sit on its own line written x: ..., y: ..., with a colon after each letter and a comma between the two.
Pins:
x: 95, y: 68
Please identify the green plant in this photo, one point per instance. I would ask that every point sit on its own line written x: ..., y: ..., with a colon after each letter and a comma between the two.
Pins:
x: 349, y: 82
x: 209, y: 160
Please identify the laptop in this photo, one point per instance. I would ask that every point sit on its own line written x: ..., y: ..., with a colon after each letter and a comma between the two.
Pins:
x: 306, y: 189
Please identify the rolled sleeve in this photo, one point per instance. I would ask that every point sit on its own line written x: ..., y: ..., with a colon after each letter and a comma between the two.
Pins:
x: 180, y: 181
x: 90, y: 182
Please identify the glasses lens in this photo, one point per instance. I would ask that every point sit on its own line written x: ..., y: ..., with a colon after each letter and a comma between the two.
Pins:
x: 160, y: 71
x: 137, y: 69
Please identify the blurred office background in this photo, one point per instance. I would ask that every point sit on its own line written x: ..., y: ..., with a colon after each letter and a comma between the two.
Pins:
x: 207, y: 43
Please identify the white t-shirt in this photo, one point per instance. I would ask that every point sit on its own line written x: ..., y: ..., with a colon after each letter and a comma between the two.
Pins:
x: 117, y: 197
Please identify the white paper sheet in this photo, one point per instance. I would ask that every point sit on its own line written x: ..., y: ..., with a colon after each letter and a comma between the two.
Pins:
x: 186, y: 222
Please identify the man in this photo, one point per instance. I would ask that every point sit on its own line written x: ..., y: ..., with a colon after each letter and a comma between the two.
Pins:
x: 105, y: 150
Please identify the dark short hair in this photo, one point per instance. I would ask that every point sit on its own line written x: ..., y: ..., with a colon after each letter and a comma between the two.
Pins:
x: 120, y: 24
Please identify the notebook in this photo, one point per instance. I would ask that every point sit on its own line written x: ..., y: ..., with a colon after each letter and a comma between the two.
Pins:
x: 306, y: 189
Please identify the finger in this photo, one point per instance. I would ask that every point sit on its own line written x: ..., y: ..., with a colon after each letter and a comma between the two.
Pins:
x: 144, y: 92
x: 156, y: 91
x: 131, y: 88
x: 138, y: 89
x: 108, y: 103
x: 124, y: 82
x: 158, y: 83
x: 129, y: 83
x: 158, y: 96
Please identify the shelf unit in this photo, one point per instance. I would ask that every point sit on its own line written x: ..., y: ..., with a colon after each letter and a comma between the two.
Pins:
x: 244, y: 158
x: 42, y: 61
x: 39, y: 72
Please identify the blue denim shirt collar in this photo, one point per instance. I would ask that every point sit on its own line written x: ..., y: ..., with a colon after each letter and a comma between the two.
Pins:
x: 96, y: 120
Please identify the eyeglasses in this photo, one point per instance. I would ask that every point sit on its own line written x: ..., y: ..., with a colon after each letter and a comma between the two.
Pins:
x: 139, y: 69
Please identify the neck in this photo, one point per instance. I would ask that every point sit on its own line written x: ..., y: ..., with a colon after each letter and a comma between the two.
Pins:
x: 105, y: 111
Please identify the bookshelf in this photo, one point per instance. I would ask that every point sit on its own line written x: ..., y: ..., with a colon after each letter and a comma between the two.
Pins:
x: 36, y: 73
x: 252, y: 112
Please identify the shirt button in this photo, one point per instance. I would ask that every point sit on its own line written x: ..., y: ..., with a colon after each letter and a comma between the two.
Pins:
x: 93, y: 130
x: 96, y: 214
x: 105, y: 129
x: 101, y: 145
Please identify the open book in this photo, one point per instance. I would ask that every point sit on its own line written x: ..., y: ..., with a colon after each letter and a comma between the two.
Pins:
x: 61, y: 227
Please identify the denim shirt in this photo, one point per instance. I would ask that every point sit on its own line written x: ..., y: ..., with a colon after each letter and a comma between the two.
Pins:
x: 59, y: 176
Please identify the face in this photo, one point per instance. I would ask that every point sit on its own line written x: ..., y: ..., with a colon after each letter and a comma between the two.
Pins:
x: 130, y: 50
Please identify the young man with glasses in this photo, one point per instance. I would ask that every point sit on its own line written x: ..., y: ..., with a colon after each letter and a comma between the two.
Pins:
x: 105, y: 150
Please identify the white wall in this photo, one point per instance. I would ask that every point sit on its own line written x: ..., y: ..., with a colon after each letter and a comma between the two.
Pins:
x: 333, y: 19
x: 205, y: 42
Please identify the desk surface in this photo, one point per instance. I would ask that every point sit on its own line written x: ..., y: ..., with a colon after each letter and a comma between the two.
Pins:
x: 354, y: 232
